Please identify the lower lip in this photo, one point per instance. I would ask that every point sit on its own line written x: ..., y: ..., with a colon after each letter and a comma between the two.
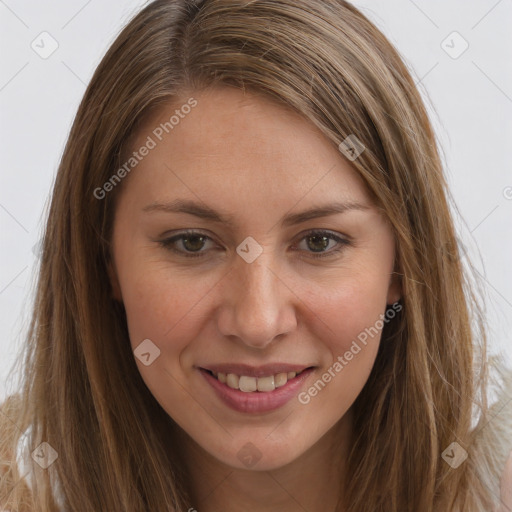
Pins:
x: 257, y: 401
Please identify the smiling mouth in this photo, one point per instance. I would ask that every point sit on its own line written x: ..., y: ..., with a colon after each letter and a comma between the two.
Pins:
x: 250, y: 384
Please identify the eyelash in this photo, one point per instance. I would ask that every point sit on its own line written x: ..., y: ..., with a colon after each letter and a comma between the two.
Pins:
x: 169, y: 243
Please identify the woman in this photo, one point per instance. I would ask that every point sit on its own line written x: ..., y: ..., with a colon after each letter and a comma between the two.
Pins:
x: 251, y: 294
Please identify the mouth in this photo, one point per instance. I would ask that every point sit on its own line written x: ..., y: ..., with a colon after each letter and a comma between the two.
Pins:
x: 256, y: 390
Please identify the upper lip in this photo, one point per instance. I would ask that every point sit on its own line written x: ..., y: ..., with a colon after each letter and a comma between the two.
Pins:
x: 255, y: 371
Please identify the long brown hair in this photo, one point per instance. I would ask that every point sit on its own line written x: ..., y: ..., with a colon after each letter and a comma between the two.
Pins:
x: 81, y: 390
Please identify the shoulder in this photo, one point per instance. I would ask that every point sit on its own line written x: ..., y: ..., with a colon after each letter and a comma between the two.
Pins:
x: 506, y: 486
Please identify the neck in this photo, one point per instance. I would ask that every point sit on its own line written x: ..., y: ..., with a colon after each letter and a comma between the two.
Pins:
x: 313, y: 481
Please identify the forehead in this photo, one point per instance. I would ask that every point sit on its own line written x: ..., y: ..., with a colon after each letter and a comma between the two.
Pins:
x: 239, y: 142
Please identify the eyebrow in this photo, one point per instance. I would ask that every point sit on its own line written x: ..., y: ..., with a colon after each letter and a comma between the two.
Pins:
x: 207, y: 213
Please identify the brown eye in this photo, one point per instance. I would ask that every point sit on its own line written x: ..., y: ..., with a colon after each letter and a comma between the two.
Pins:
x: 188, y: 244
x: 318, y: 243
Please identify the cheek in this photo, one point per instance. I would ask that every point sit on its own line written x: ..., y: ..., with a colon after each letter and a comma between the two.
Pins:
x: 164, y: 309
x: 351, y: 305
x: 160, y: 305
x: 349, y: 321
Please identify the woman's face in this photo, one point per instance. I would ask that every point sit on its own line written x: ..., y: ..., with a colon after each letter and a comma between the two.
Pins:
x: 275, y: 279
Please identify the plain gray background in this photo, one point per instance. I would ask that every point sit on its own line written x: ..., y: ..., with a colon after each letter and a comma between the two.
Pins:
x: 468, y: 94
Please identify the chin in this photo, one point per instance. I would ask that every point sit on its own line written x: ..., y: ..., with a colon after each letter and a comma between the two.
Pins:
x: 257, y: 453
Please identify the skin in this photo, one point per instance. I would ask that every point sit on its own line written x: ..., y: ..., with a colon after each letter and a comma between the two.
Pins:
x: 244, y: 155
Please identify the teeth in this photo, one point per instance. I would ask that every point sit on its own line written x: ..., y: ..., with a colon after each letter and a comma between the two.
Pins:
x: 251, y: 384
x: 266, y: 383
x: 247, y: 384
x: 281, y: 379
x: 232, y: 380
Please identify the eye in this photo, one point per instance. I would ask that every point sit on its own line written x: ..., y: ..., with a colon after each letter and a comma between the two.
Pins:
x: 191, y: 242
x: 317, y: 244
x: 319, y: 241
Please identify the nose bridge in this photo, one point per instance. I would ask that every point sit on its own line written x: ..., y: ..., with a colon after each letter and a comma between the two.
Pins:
x: 259, y: 307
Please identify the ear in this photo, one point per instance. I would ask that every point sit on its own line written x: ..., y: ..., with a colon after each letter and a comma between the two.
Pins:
x: 395, y: 287
x: 114, y: 282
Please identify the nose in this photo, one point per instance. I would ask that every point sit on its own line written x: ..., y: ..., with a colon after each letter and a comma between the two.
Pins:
x: 257, y: 305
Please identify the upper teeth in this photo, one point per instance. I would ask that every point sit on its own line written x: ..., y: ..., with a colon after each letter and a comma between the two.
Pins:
x: 248, y: 384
